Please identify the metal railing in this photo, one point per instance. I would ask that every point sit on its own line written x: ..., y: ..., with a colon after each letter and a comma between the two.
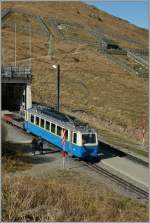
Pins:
x: 5, y: 12
x: 115, y: 51
x: 138, y: 59
x: 16, y: 72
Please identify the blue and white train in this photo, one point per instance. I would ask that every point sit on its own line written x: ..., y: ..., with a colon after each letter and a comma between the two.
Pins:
x: 50, y: 125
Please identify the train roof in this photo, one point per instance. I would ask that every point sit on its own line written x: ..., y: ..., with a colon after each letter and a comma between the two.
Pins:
x: 59, y: 119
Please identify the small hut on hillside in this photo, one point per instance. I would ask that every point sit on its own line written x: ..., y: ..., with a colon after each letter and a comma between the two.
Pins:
x: 107, y: 44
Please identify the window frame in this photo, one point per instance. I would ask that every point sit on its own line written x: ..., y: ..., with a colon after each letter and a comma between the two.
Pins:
x: 58, y: 126
x: 51, y: 128
x: 26, y: 116
x: 36, y: 120
x: 67, y: 135
x: 89, y: 143
x: 49, y: 125
x: 43, y: 123
x: 31, y: 118
x: 73, y: 138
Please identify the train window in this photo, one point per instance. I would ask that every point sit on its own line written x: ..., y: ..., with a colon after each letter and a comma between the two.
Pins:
x: 47, y: 125
x: 75, y: 138
x: 32, y: 118
x: 88, y: 138
x: 42, y: 123
x: 66, y: 134
x: 53, y: 128
x: 37, y: 121
x: 59, y: 129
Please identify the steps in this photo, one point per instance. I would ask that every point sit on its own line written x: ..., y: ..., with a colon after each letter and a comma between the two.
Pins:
x: 138, y: 59
x: 43, y: 24
x: 128, y: 66
x: 56, y: 32
x: 5, y: 12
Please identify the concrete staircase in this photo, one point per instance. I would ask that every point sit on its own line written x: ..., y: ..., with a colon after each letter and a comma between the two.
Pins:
x: 138, y: 59
x: 54, y: 26
x: 128, y: 65
x: 43, y: 24
x: 4, y: 14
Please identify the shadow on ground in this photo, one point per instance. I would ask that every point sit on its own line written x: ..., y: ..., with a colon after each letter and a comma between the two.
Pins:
x: 107, y: 151
x: 13, y: 151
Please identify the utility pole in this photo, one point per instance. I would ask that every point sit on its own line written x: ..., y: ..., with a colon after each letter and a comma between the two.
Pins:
x: 30, y: 45
x: 143, y: 127
x: 50, y: 45
x: 15, y: 44
x: 58, y: 87
x: 3, y: 53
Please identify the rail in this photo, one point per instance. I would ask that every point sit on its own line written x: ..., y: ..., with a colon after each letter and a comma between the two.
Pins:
x: 115, y: 51
x: 124, y: 183
x: 138, y: 51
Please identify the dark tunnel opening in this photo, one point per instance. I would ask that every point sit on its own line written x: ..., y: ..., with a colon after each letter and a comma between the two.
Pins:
x: 13, y: 95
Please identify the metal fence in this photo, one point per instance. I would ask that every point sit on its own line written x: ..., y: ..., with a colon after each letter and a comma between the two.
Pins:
x: 115, y: 51
x: 16, y: 72
x: 5, y: 12
x: 138, y: 59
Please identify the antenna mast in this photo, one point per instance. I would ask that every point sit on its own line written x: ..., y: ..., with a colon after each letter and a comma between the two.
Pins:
x: 50, y: 45
x: 30, y: 45
x: 15, y: 44
x: 3, y: 52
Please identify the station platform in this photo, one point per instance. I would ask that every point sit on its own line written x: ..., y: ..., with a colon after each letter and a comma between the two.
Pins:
x: 129, y: 153
x: 129, y: 169
x: 15, y: 135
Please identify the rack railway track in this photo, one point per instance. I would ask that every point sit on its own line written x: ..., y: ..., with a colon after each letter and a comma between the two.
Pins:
x: 120, y: 181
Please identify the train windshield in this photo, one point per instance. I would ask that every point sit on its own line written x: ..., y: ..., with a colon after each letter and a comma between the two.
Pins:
x: 88, y: 138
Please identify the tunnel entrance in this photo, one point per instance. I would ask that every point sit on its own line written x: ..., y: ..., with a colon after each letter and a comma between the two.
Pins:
x: 16, y: 88
x: 13, y: 95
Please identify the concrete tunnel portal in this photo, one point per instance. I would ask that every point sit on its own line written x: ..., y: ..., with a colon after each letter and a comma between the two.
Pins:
x: 16, y: 88
x: 13, y: 95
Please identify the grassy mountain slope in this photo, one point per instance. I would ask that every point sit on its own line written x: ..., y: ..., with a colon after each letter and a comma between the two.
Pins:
x: 95, y: 88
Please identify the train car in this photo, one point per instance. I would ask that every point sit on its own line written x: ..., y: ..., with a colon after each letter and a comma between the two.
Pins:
x: 54, y: 127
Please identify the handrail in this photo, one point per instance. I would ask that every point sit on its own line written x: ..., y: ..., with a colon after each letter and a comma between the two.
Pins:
x: 5, y: 12
x: 137, y: 59
x: 16, y: 72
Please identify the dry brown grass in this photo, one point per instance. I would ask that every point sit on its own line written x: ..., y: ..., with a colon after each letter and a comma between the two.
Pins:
x: 14, y: 160
x: 68, y: 11
x: 65, y: 196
